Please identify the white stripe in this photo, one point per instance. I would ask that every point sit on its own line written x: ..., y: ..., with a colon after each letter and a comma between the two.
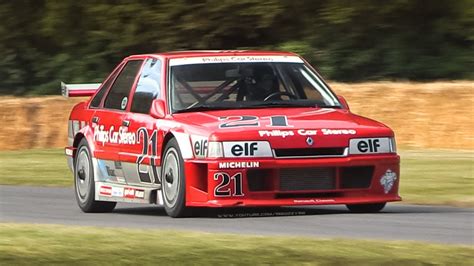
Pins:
x: 184, y: 144
x: 235, y: 59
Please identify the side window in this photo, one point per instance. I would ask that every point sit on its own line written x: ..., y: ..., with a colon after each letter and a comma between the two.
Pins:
x: 148, y: 87
x: 100, y: 94
x: 118, y: 94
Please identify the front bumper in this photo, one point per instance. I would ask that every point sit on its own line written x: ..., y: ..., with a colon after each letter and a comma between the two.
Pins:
x: 292, y: 182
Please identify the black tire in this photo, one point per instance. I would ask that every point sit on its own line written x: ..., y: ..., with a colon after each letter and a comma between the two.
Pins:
x: 84, y: 185
x: 173, y: 181
x: 366, y: 208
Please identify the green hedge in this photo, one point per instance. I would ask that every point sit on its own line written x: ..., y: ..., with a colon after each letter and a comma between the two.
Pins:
x: 45, y: 41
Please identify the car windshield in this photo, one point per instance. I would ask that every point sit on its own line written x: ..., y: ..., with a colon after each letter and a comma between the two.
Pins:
x: 238, y: 85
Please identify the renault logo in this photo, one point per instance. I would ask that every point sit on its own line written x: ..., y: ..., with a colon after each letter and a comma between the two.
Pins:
x: 309, y: 141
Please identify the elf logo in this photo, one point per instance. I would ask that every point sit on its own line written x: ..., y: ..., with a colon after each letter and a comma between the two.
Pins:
x: 369, y: 145
x: 200, y: 147
x: 241, y: 149
x: 245, y: 149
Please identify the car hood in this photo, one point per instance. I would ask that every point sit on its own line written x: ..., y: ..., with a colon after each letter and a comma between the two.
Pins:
x: 328, y: 127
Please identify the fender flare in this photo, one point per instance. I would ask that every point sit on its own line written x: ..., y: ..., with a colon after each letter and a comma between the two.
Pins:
x: 184, y: 143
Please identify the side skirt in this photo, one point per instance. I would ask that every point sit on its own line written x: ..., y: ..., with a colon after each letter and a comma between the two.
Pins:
x: 124, y: 193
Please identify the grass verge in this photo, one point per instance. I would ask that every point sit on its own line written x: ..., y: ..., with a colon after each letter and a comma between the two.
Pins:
x: 54, y: 244
x: 35, y: 168
x: 437, y: 177
x: 427, y: 177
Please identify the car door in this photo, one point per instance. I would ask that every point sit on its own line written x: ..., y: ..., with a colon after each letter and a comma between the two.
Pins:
x: 108, y: 126
x: 140, y: 161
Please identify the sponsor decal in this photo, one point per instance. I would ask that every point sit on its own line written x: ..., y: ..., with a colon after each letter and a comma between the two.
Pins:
x: 232, y: 165
x: 105, y: 191
x: 276, y: 133
x: 117, y: 191
x: 307, y: 132
x: 241, y: 149
x: 139, y: 194
x: 129, y: 193
x: 122, y: 136
x: 132, y: 193
x: 326, y: 131
x: 388, y: 180
x: 369, y: 145
x: 246, y: 149
x: 234, y: 59
x: 200, y: 145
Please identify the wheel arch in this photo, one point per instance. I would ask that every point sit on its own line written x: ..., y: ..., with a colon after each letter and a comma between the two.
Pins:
x: 77, y: 139
x: 184, y: 144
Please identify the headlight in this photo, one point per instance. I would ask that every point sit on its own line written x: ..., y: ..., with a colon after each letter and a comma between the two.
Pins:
x: 215, y: 150
x: 372, y: 145
x: 393, y: 145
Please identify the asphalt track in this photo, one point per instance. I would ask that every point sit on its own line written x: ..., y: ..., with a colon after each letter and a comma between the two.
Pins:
x: 437, y: 224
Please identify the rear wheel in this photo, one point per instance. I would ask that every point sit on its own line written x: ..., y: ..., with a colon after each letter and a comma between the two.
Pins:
x: 366, y: 208
x: 173, y: 181
x: 84, y: 184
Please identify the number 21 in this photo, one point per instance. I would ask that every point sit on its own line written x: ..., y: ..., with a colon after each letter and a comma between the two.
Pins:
x: 221, y: 191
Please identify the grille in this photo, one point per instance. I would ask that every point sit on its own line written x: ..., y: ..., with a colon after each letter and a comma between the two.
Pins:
x: 260, y: 179
x: 356, y: 177
x: 292, y: 179
x: 309, y: 152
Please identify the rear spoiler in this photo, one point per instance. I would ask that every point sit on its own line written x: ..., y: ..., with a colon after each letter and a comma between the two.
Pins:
x: 79, y: 90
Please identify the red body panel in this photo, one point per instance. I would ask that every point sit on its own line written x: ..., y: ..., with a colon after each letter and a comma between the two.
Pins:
x: 201, y: 181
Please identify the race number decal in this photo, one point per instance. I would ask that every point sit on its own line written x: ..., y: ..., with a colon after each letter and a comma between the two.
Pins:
x: 148, y: 150
x: 253, y: 121
x: 225, y: 189
x: 239, y: 121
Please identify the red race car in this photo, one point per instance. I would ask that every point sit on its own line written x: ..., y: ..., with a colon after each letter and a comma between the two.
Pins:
x: 225, y: 129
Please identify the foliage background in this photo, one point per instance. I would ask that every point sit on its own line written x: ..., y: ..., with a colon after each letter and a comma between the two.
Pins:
x: 45, y: 41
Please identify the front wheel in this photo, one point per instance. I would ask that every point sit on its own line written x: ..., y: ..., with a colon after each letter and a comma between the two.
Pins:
x: 84, y: 184
x: 173, y: 181
x: 366, y: 208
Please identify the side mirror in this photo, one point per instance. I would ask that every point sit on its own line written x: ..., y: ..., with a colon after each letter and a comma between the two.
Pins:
x: 343, y: 102
x: 157, y: 109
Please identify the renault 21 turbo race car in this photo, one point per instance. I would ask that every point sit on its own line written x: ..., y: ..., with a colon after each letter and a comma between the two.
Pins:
x: 225, y: 129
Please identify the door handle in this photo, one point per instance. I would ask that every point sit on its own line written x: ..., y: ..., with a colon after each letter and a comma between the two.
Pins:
x: 95, y: 119
x: 125, y: 123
